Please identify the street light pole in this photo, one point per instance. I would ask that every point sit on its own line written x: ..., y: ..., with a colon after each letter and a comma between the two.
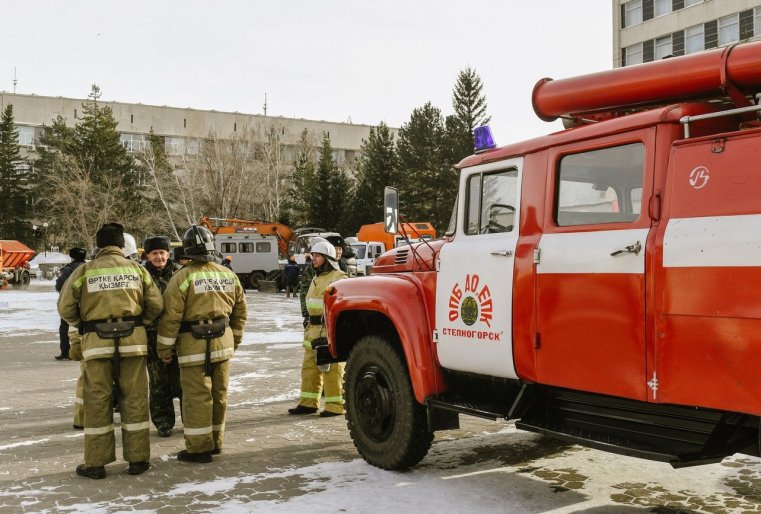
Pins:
x: 34, y: 237
x: 45, y: 237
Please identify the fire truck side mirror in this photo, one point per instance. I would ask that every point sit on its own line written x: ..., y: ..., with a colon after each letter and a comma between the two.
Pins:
x: 391, y: 210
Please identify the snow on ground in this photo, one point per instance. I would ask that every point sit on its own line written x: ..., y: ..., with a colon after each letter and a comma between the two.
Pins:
x: 31, y: 310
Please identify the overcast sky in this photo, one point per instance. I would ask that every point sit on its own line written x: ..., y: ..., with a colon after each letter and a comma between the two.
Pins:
x: 336, y: 60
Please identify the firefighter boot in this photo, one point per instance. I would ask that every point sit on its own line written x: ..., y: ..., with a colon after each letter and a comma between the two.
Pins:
x: 300, y: 409
x: 137, y: 468
x: 200, y: 458
x: 94, y: 472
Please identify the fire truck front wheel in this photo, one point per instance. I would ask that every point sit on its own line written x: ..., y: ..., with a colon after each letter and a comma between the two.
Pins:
x: 386, y: 423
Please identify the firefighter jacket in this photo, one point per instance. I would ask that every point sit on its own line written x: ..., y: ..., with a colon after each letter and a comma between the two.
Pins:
x: 201, y: 292
x: 108, y: 287
x: 315, y: 302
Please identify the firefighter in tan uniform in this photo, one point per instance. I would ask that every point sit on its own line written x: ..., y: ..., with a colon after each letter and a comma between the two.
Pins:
x: 204, y: 315
x: 326, y: 271
x: 109, y: 300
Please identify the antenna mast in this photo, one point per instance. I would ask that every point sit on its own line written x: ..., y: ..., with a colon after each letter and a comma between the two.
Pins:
x: 15, y: 80
x: 265, y: 103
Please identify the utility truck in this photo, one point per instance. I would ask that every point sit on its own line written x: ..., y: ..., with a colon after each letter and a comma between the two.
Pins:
x: 601, y: 284
x: 14, y: 264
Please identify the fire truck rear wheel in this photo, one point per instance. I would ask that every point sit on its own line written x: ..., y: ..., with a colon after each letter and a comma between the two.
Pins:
x: 386, y: 423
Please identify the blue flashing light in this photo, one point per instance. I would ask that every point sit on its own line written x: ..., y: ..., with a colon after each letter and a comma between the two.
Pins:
x: 483, y: 139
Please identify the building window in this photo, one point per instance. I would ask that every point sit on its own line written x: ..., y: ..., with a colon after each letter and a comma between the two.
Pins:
x: 633, y: 55
x: 729, y: 29
x: 632, y: 13
x: 757, y: 21
x: 688, y: 3
x: 694, y: 39
x: 25, y: 136
x: 174, y: 146
x: 662, y: 7
x: 192, y: 146
x: 663, y: 47
x: 134, y: 142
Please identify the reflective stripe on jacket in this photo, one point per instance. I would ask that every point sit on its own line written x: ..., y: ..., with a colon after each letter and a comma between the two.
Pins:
x: 110, y: 286
x: 202, y: 291
x: 315, y: 300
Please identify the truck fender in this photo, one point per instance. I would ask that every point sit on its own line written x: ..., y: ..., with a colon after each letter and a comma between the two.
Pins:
x: 393, y: 306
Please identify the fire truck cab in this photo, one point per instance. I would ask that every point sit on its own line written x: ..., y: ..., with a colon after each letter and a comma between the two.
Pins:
x: 601, y: 284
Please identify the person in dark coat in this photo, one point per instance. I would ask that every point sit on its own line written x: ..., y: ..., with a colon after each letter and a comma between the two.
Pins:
x: 291, y: 277
x: 227, y: 262
x: 163, y: 378
x: 78, y: 256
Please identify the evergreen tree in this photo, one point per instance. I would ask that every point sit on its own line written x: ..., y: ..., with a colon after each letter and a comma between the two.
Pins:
x: 85, y: 177
x: 321, y: 208
x: 12, y: 191
x: 469, y: 105
x: 377, y: 169
x: 97, y: 144
x: 428, y: 183
x: 302, y: 188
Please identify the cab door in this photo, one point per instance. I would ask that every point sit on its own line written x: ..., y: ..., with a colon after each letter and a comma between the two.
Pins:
x: 475, y: 273
x: 590, y: 274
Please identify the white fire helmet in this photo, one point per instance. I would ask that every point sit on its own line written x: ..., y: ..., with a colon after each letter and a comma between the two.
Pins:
x: 328, y: 250
x: 130, y: 247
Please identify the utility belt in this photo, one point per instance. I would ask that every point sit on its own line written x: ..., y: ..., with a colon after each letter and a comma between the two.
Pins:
x: 111, y: 328
x: 316, y: 320
x: 206, y: 328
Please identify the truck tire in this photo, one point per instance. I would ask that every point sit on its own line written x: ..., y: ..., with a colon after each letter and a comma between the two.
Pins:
x: 386, y: 423
x: 255, y: 277
x: 23, y: 280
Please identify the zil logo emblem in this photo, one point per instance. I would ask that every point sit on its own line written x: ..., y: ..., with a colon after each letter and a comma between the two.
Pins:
x: 699, y: 177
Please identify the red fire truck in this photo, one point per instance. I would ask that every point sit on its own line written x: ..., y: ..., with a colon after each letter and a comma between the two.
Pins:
x: 601, y: 284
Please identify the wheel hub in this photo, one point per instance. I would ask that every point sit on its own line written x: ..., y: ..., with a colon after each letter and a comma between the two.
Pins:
x: 375, y: 402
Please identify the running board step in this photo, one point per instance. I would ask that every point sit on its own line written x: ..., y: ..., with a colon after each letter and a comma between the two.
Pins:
x: 479, y: 410
x: 678, y: 435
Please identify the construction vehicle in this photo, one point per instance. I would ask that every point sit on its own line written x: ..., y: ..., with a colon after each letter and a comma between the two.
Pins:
x: 599, y: 285
x: 415, y: 230
x: 232, y: 226
x: 253, y: 256
x: 14, y: 264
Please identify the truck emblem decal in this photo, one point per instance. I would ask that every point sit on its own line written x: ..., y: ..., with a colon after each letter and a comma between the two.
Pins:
x: 653, y: 384
x: 699, y: 177
x: 472, y: 304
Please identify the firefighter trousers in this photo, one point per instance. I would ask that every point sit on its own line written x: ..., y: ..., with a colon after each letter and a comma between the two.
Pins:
x: 204, y: 404
x: 132, y: 385
x: 312, y: 383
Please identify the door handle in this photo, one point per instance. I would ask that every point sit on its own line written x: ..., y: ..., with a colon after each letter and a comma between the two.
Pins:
x: 503, y: 253
x: 635, y: 249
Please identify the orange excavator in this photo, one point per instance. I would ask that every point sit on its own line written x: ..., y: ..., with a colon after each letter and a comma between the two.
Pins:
x: 237, y: 226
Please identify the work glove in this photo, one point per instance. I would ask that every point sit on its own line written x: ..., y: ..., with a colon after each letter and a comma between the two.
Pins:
x: 307, y: 344
x: 75, y: 352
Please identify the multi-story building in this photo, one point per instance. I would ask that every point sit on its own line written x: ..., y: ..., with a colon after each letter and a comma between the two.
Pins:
x: 648, y: 30
x: 182, y: 128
